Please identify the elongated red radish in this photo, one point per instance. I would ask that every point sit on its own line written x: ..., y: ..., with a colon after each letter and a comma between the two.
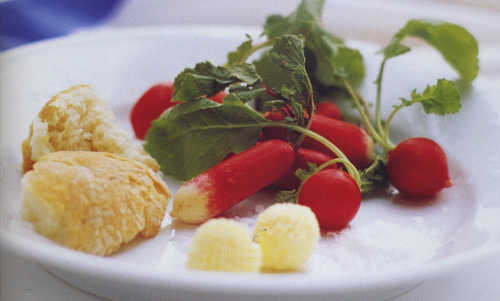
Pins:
x: 329, y: 109
x: 353, y: 141
x: 418, y: 167
x: 302, y: 157
x: 333, y: 196
x: 152, y: 104
x: 231, y: 181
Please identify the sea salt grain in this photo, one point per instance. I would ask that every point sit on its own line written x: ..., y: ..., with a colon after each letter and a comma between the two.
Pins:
x: 374, y: 246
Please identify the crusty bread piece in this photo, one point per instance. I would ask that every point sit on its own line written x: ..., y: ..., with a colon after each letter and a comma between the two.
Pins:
x: 75, y: 119
x: 93, y: 201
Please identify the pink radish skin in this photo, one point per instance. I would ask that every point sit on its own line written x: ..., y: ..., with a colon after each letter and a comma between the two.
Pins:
x: 231, y: 181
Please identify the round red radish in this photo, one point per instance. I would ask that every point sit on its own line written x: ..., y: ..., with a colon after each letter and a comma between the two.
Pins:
x: 418, y: 167
x: 153, y: 103
x: 329, y: 109
x: 333, y: 196
x: 150, y: 106
x: 302, y: 157
x: 353, y: 141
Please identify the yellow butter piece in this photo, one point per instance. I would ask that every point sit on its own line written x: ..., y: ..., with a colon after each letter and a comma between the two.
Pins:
x: 224, y: 245
x: 288, y: 235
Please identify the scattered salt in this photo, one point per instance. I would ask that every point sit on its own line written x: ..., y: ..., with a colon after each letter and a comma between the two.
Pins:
x: 372, y: 247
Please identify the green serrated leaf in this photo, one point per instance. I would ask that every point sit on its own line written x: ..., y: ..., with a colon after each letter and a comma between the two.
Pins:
x: 325, y: 52
x: 441, y: 98
x: 275, y: 26
x: 335, y: 61
x: 196, y: 135
x: 248, y: 93
x: 245, y: 73
x: 455, y: 43
x: 203, y: 80
x: 283, y: 69
x: 206, y: 80
x: 242, y: 52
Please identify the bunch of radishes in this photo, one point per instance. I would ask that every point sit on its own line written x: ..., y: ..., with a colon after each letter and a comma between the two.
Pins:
x: 304, y: 146
x: 332, y: 194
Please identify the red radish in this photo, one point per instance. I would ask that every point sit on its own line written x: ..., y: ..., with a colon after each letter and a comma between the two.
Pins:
x: 329, y: 109
x: 353, y: 141
x: 302, y: 157
x: 231, y: 181
x: 152, y: 104
x: 219, y: 97
x: 275, y: 132
x: 333, y: 196
x: 417, y: 167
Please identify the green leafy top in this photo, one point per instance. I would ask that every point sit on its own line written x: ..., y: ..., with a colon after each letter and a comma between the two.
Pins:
x: 241, y: 53
x: 196, y: 135
x: 455, y: 43
x: 458, y: 47
x: 441, y: 98
x: 325, y: 52
x: 285, y: 70
x: 206, y: 79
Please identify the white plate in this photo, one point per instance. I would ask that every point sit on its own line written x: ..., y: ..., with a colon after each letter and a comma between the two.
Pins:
x: 391, y: 246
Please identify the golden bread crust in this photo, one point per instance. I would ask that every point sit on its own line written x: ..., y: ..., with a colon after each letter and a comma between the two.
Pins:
x: 93, y: 201
x: 75, y: 119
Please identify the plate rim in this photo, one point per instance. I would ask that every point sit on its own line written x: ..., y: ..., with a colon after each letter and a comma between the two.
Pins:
x: 109, y: 268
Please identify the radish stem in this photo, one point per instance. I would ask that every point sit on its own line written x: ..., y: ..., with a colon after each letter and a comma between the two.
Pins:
x: 365, y: 118
x: 378, y: 119
x: 254, y: 49
x: 351, y: 169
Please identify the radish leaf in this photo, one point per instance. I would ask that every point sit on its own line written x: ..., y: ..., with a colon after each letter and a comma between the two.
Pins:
x: 283, y: 71
x: 241, y: 53
x: 441, y: 98
x: 455, y: 43
x: 324, y: 51
x: 206, y: 80
x: 196, y: 135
